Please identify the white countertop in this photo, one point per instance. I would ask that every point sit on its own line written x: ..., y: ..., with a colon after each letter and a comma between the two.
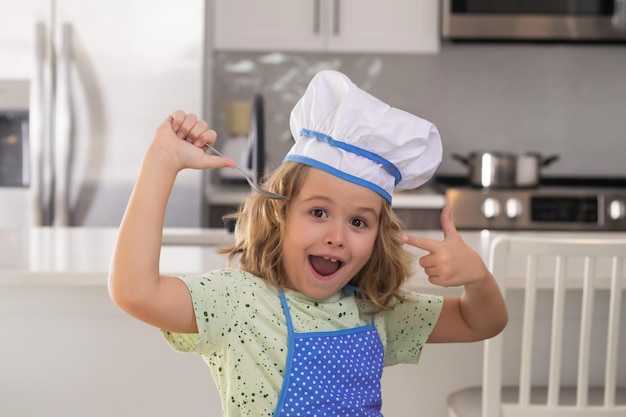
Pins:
x: 81, y: 256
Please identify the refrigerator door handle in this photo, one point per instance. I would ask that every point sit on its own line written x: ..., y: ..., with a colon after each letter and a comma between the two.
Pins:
x: 39, y: 133
x: 63, y: 131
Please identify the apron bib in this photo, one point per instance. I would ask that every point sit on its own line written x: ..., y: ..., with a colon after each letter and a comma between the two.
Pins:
x: 334, y: 373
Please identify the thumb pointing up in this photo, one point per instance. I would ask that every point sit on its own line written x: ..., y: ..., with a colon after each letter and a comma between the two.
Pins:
x: 447, y: 225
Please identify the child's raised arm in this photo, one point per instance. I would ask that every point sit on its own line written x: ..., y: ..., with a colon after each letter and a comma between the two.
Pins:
x: 480, y: 312
x: 135, y: 283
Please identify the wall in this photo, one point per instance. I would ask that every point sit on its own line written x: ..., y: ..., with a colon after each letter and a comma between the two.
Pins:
x: 564, y: 99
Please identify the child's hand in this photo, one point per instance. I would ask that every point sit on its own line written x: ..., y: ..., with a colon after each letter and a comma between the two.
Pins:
x: 450, y: 261
x: 182, y: 138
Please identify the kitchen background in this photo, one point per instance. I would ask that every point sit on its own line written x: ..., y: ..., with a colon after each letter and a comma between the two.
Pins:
x: 556, y: 98
x: 133, y: 67
x: 565, y: 99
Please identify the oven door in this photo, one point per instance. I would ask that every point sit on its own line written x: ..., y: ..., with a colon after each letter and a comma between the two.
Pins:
x: 537, y: 20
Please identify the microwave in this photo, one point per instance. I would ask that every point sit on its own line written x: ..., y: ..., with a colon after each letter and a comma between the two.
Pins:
x: 14, y: 137
x: 535, y: 20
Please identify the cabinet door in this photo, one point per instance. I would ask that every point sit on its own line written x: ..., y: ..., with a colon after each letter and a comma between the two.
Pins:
x: 372, y: 26
x: 393, y: 26
x: 286, y: 25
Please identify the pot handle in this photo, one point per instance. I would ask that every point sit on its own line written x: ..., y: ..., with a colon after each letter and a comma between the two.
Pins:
x: 550, y: 159
x: 460, y: 158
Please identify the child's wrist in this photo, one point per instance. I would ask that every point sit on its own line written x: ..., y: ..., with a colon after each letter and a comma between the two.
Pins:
x: 162, y: 159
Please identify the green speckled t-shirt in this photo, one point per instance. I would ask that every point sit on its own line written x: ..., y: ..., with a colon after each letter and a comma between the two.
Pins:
x: 242, y: 332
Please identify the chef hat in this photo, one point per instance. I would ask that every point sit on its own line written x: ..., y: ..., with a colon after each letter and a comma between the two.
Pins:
x: 351, y: 134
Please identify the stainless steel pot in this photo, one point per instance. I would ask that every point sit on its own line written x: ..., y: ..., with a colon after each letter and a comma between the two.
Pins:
x: 529, y: 166
x: 505, y: 170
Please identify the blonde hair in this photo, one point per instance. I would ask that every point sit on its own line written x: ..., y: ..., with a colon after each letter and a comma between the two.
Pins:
x: 260, y: 229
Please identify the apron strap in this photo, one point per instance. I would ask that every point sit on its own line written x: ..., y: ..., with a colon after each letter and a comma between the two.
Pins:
x: 283, y: 302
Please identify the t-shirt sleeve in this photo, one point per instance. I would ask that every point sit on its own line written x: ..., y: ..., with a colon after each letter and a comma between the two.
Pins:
x: 409, y: 325
x: 211, y: 297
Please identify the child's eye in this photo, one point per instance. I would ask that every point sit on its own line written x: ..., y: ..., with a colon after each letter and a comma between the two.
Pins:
x: 358, y: 223
x: 318, y: 213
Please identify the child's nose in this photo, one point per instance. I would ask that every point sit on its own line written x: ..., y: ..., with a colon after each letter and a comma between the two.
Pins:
x: 336, y: 236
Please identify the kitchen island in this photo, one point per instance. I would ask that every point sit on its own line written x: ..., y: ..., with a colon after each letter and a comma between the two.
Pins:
x: 68, y: 351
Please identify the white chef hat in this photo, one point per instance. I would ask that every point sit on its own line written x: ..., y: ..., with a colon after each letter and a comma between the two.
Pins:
x: 351, y: 134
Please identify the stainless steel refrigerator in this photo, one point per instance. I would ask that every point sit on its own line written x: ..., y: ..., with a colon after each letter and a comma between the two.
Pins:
x: 101, y: 76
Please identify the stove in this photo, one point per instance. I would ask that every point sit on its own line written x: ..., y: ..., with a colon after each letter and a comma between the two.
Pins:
x: 593, y: 204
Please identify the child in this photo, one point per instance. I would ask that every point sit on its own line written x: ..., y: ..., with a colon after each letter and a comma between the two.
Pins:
x: 315, y: 310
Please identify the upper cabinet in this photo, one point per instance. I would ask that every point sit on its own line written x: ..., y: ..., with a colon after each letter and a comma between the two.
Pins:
x: 360, y: 26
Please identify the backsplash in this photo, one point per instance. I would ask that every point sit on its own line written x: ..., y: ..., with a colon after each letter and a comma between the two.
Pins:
x: 557, y: 99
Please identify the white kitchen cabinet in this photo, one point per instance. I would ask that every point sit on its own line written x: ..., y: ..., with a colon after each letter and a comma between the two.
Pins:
x: 363, y: 26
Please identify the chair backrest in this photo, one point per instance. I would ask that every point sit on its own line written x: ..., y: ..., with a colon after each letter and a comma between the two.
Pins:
x: 572, y: 263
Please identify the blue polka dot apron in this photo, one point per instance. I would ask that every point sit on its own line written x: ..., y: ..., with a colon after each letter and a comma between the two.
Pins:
x: 334, y: 373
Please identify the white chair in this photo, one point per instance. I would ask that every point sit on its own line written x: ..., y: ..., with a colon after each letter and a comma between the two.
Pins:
x: 590, y: 269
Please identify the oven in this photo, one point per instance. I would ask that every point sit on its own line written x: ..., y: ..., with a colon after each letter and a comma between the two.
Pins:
x: 576, y: 204
x: 535, y: 20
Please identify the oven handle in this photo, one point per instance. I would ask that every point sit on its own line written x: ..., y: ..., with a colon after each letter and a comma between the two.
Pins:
x: 63, y: 131
x: 618, y: 20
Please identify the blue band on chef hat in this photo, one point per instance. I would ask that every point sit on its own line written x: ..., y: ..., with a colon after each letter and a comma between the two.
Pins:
x: 355, y: 150
x: 338, y: 173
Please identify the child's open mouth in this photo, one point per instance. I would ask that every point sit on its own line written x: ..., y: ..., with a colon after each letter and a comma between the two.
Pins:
x: 324, y: 265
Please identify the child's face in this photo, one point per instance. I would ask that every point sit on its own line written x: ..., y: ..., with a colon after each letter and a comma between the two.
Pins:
x: 332, y: 225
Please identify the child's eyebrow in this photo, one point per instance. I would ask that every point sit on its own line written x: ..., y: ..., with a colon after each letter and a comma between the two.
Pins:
x: 368, y: 210
x: 321, y: 198
x: 317, y: 197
